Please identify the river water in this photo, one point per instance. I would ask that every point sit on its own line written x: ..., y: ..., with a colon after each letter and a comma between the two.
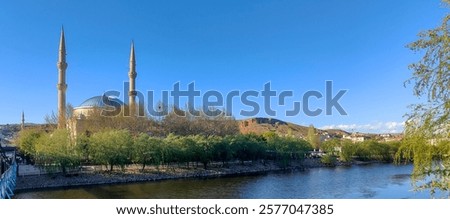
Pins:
x: 375, y: 181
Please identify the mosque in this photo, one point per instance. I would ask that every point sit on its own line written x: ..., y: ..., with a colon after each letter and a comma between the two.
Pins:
x: 77, y: 123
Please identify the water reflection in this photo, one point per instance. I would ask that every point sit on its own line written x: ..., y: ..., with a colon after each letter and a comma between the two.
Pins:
x: 371, y: 181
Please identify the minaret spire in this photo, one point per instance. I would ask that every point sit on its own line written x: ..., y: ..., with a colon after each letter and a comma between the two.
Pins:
x: 62, y: 86
x: 22, y: 126
x: 132, y: 74
x: 62, y: 47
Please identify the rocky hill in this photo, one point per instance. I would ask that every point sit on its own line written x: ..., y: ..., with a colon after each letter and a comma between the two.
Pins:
x: 282, y: 128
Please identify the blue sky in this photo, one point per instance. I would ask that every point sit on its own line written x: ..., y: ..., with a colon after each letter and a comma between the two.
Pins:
x: 219, y: 45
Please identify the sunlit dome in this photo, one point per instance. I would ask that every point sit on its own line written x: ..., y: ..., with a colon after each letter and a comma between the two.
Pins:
x: 101, y: 102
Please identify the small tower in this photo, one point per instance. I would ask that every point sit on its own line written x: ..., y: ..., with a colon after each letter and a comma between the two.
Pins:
x: 22, y: 125
x: 132, y: 74
x: 62, y: 86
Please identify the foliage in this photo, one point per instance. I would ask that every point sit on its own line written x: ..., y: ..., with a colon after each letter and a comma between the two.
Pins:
x: 147, y: 150
x: 287, y: 149
x: 222, y: 150
x: 52, y: 119
x: 331, y: 146
x: 313, y: 137
x: 111, y: 148
x: 203, y: 149
x: 173, y: 152
x: 248, y: 147
x: 96, y: 122
x: 431, y: 162
x: 348, y: 151
x: 120, y: 148
x: 329, y: 160
x: 182, y: 123
x: 427, y: 130
x: 371, y: 150
x: 82, y: 147
x: 27, y: 139
x: 57, y: 150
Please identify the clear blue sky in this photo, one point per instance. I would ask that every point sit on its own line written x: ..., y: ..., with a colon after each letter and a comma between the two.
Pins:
x: 219, y: 45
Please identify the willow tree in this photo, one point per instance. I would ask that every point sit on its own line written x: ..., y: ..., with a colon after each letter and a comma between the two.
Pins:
x: 427, y: 130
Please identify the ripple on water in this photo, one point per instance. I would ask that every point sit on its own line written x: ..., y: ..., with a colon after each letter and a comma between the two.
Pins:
x: 367, y: 182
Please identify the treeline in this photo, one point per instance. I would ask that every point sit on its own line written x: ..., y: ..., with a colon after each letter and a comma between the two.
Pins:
x: 178, y: 122
x: 348, y: 151
x: 119, y: 148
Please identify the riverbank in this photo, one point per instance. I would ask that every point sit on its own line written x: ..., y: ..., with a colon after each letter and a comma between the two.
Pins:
x: 355, y: 182
x: 133, y: 175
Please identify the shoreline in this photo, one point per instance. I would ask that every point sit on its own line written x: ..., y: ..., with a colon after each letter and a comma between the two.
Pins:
x: 98, y: 178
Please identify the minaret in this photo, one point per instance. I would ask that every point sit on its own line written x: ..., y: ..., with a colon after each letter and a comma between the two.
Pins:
x: 132, y: 77
x: 22, y: 126
x: 62, y: 86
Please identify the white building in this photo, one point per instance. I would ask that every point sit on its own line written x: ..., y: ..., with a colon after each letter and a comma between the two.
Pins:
x: 354, y: 138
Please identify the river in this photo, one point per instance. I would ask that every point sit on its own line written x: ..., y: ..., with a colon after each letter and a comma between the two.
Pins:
x: 375, y: 181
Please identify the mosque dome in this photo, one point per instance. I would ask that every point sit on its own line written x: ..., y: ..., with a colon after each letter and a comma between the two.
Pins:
x: 100, y: 102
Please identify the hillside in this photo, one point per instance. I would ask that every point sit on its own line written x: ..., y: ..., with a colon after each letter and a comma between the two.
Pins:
x: 282, y: 128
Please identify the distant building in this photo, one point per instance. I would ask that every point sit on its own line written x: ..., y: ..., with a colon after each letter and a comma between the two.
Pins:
x: 390, y: 137
x: 355, y: 137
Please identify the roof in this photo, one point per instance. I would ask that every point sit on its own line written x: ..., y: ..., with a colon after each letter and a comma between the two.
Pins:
x: 101, y: 102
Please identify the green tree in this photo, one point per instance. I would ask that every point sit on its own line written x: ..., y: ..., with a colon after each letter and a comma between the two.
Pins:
x: 238, y: 143
x: 427, y: 130
x: 270, y: 135
x: 174, y: 150
x: 203, y: 151
x: 313, y: 137
x: 362, y: 152
x: 111, y: 148
x: 82, y: 147
x: 348, y: 151
x: 222, y: 150
x: 180, y: 122
x: 374, y: 150
x: 332, y: 146
x: 189, y: 150
x: 26, y: 141
x: 329, y: 160
x: 57, y: 150
x: 249, y: 147
x: 147, y: 150
x: 287, y: 149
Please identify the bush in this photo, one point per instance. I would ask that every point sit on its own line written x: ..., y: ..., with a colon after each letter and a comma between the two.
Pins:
x: 329, y: 160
